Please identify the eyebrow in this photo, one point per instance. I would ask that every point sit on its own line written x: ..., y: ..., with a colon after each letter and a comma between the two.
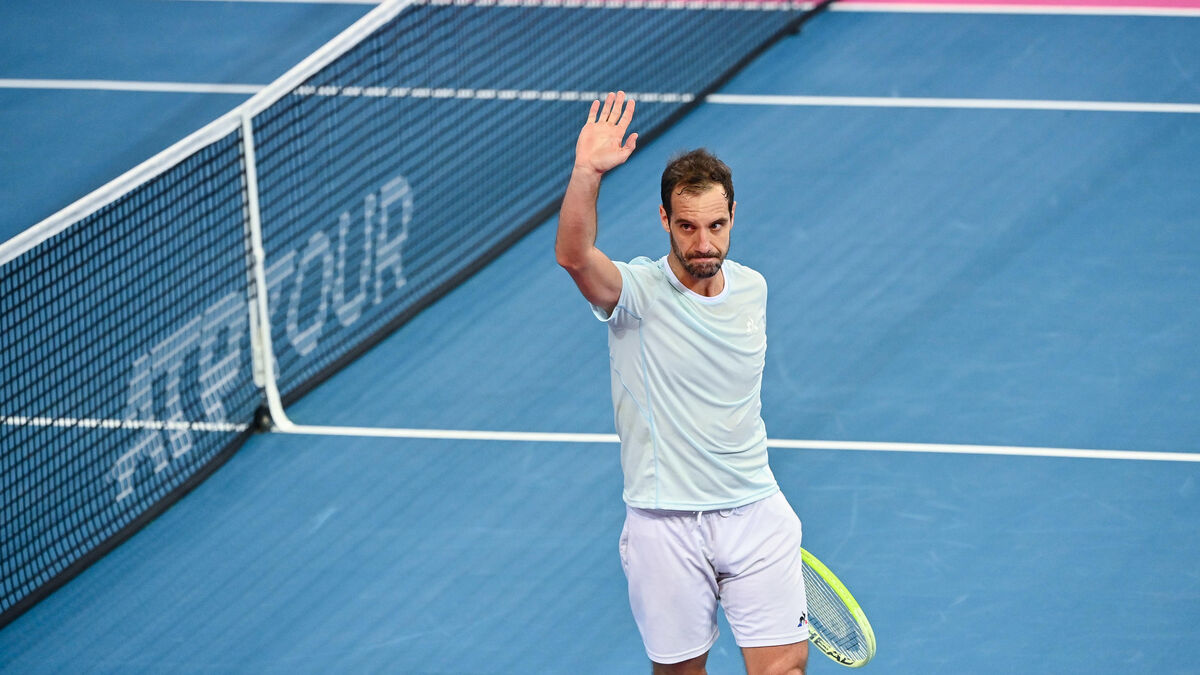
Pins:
x: 688, y: 221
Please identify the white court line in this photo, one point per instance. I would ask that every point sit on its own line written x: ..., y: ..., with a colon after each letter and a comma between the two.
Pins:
x: 559, y: 437
x: 131, y: 85
x: 641, y: 97
x: 955, y: 103
x: 352, y: 91
x: 550, y: 437
x: 101, y: 423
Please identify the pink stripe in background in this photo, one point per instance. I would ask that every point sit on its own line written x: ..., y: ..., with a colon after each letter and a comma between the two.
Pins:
x: 1184, y: 7
x: 1146, y: 4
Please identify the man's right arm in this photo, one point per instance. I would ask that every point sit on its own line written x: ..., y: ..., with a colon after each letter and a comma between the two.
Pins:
x: 598, y: 150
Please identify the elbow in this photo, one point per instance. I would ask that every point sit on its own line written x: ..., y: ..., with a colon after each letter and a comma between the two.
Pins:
x: 568, y: 260
x: 568, y: 264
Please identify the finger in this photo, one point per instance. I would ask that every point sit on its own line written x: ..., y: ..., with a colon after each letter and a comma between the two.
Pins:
x: 608, y: 105
x: 592, y: 113
x: 627, y: 116
x: 630, y: 144
x: 618, y: 104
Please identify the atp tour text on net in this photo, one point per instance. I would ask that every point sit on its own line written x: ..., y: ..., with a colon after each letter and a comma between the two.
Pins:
x: 319, y: 261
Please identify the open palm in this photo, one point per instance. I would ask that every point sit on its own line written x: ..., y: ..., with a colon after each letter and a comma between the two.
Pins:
x: 599, y: 146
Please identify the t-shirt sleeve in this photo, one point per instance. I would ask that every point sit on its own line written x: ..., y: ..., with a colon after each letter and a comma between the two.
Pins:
x: 633, y: 300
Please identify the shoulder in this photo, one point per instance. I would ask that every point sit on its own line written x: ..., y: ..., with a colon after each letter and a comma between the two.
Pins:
x: 744, y: 275
x: 641, y: 269
x: 642, y: 265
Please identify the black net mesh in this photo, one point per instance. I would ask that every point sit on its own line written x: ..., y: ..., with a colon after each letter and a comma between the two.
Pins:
x: 127, y: 363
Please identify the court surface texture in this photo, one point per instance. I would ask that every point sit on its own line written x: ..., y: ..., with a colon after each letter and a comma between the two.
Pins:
x: 971, y: 279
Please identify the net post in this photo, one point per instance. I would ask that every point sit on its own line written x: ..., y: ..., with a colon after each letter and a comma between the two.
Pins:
x: 262, y: 349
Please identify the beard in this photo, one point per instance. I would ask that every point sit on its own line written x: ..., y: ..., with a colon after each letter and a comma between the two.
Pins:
x: 699, y: 270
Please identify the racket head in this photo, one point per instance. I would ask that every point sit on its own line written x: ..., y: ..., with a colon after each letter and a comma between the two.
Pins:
x: 836, y: 624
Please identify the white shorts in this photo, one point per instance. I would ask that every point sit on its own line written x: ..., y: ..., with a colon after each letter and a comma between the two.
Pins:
x: 681, y: 563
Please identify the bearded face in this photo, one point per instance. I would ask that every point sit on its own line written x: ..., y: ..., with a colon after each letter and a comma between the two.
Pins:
x: 699, y: 264
x: 698, y: 228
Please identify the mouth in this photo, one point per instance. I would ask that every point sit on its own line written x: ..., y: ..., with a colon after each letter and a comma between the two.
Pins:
x: 703, y: 266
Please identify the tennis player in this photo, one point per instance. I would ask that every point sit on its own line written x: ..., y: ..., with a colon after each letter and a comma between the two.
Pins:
x: 705, y: 520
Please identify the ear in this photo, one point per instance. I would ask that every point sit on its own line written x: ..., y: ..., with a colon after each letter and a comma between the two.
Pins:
x: 732, y: 212
x: 662, y: 215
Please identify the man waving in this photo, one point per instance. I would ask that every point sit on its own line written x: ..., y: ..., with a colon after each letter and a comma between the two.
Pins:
x: 705, y: 520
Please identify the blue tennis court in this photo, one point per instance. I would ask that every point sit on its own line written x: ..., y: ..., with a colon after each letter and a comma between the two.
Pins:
x: 970, y: 280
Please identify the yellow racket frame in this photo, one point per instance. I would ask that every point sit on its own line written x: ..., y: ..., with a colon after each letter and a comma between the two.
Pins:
x: 855, y: 611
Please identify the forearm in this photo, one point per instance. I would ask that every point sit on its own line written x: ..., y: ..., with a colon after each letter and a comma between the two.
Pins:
x: 599, y: 149
x: 577, y: 218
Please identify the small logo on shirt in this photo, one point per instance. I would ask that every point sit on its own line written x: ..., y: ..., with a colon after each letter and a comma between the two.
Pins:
x: 752, y: 326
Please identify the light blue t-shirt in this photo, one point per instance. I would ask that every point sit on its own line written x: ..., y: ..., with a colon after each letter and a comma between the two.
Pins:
x: 686, y: 376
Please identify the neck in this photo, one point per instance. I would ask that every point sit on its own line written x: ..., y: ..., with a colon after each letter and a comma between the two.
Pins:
x: 708, y: 287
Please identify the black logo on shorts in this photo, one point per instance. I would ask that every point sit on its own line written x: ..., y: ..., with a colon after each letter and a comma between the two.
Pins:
x: 803, y: 620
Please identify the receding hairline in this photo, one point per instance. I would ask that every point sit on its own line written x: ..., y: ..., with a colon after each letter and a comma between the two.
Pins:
x: 693, y: 189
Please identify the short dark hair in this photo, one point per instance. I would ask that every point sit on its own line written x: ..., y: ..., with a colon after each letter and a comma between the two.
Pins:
x: 695, y: 171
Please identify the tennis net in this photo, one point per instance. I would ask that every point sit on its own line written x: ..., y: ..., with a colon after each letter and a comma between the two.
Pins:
x: 143, y: 328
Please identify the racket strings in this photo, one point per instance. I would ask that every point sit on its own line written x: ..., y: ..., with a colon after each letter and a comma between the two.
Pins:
x: 831, y: 618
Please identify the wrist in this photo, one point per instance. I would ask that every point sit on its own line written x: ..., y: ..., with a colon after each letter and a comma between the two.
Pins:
x: 585, y: 171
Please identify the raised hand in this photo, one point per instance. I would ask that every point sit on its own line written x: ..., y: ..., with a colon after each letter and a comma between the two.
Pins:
x: 599, y: 147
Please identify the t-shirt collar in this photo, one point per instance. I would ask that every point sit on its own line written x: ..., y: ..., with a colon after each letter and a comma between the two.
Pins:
x: 709, y: 300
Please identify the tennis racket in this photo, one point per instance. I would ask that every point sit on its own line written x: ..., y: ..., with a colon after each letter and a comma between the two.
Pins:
x: 836, y: 624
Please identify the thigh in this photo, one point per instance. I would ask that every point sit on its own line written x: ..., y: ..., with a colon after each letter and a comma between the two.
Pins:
x: 779, y: 659
x: 672, y: 586
x: 762, y: 581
